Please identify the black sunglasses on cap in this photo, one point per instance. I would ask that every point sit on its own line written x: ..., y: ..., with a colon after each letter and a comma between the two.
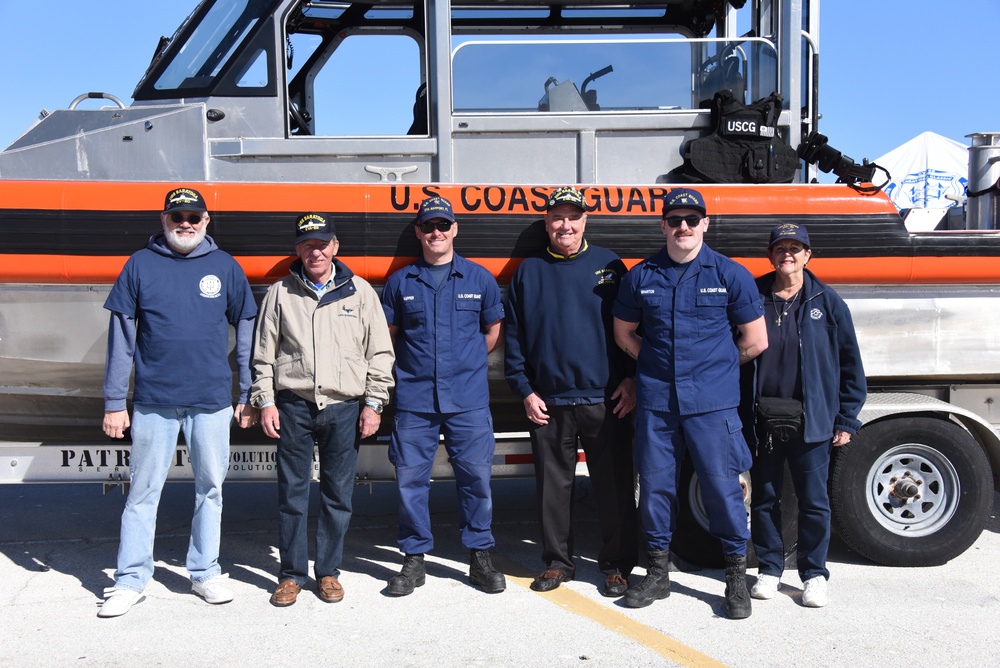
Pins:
x: 427, y: 228
x: 692, y: 219
x: 193, y: 218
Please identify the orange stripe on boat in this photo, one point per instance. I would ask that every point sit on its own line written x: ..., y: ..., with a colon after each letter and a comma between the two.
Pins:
x: 624, y: 200
x: 263, y: 270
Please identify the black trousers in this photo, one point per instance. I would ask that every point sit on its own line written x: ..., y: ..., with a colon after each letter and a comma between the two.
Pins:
x: 607, y: 442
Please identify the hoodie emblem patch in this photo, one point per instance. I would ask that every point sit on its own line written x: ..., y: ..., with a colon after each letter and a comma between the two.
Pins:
x: 210, y: 286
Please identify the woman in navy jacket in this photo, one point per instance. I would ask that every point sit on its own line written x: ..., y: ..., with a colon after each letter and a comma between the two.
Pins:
x: 812, y: 357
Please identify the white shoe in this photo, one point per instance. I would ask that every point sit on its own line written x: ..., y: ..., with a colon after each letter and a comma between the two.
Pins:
x: 766, y: 586
x: 213, y: 590
x: 118, y: 601
x: 814, y: 594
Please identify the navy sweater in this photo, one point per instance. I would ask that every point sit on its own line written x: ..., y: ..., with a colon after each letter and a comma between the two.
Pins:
x: 560, y: 339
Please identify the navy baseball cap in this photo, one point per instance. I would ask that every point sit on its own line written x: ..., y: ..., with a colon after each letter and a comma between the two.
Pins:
x: 566, y: 195
x: 792, y: 231
x: 433, y: 208
x: 684, y: 198
x: 184, y: 199
x: 314, y: 226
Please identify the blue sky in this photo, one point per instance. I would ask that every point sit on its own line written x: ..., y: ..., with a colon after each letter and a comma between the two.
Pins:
x: 890, y: 69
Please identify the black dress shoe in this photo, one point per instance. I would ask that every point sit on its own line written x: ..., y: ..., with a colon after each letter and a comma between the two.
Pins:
x: 549, y: 580
x: 615, y: 585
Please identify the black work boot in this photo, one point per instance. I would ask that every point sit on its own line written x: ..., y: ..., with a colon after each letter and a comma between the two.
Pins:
x: 412, y: 576
x: 483, y: 574
x: 655, y: 586
x: 737, y: 596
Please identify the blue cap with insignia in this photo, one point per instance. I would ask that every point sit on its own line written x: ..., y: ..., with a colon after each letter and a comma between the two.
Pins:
x: 433, y: 208
x: 684, y: 198
x: 792, y: 231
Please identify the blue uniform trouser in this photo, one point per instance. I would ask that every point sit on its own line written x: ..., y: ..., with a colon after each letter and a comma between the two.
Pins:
x: 332, y: 431
x: 809, y: 464
x: 468, y: 439
x: 719, y: 454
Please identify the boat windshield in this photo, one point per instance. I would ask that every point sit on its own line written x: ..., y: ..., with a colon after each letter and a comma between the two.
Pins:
x: 207, y: 49
x: 630, y: 73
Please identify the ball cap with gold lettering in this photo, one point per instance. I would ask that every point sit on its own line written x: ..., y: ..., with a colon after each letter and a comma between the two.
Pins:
x: 314, y: 226
x: 566, y: 195
x: 184, y: 199
x: 684, y: 198
x: 792, y: 231
x: 433, y: 208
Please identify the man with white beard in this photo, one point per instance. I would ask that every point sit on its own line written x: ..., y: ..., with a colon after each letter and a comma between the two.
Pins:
x: 171, y: 309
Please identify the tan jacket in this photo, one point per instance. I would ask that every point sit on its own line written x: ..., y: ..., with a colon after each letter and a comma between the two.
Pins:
x: 324, y: 350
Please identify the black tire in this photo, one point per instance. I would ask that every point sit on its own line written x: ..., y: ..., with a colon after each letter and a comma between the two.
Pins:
x: 692, y: 541
x: 935, y: 516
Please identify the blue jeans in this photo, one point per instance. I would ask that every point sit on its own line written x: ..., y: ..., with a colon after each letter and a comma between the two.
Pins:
x: 719, y: 454
x: 809, y: 464
x: 468, y: 439
x: 334, y: 431
x: 154, y: 447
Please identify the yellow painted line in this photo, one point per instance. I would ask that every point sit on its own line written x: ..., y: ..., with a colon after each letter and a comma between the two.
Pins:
x: 613, y: 620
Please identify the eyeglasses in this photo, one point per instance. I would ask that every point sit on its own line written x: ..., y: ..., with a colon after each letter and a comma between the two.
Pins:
x: 692, y: 220
x: 428, y: 228
x: 793, y: 250
x: 193, y: 218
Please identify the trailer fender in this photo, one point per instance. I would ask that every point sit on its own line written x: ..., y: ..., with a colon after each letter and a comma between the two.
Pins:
x: 883, y: 405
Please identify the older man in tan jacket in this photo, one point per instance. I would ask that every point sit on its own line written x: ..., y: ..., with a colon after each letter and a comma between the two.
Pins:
x: 322, y: 373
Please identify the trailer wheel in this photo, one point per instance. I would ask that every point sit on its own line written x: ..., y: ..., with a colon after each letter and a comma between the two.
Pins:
x: 912, y: 492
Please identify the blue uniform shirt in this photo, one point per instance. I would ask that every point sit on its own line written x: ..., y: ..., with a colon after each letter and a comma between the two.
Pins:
x: 689, y: 362
x: 440, y: 347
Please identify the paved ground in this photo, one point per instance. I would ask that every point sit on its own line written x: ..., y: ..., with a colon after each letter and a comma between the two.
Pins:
x: 58, y: 545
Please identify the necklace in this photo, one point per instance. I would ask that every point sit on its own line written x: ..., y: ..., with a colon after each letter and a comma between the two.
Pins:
x: 787, y: 307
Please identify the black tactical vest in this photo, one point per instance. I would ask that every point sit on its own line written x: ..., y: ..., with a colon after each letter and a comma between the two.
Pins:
x: 744, y: 146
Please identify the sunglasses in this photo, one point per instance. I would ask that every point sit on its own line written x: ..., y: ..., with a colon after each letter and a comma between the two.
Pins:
x: 691, y: 219
x: 193, y: 218
x: 428, y: 228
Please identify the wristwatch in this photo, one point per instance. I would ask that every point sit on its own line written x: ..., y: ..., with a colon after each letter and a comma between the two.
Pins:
x: 375, y: 405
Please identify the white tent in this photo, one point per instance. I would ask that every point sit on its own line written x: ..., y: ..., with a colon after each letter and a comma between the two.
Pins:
x: 928, y: 172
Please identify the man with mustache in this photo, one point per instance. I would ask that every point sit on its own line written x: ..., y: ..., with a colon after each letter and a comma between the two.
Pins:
x: 689, y: 300
x: 171, y: 310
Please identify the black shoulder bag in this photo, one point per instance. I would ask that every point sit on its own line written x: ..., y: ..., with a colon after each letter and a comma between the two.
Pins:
x: 781, y: 419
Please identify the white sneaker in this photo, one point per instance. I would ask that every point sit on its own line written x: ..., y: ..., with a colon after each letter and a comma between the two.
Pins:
x: 118, y: 601
x: 814, y: 594
x: 213, y: 590
x: 766, y: 586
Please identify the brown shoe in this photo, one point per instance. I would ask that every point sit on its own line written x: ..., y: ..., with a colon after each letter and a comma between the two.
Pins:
x: 330, y: 590
x: 615, y: 585
x: 549, y: 580
x: 285, y: 594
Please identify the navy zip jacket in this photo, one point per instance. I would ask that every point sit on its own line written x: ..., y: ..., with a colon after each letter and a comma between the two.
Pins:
x: 833, y: 378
